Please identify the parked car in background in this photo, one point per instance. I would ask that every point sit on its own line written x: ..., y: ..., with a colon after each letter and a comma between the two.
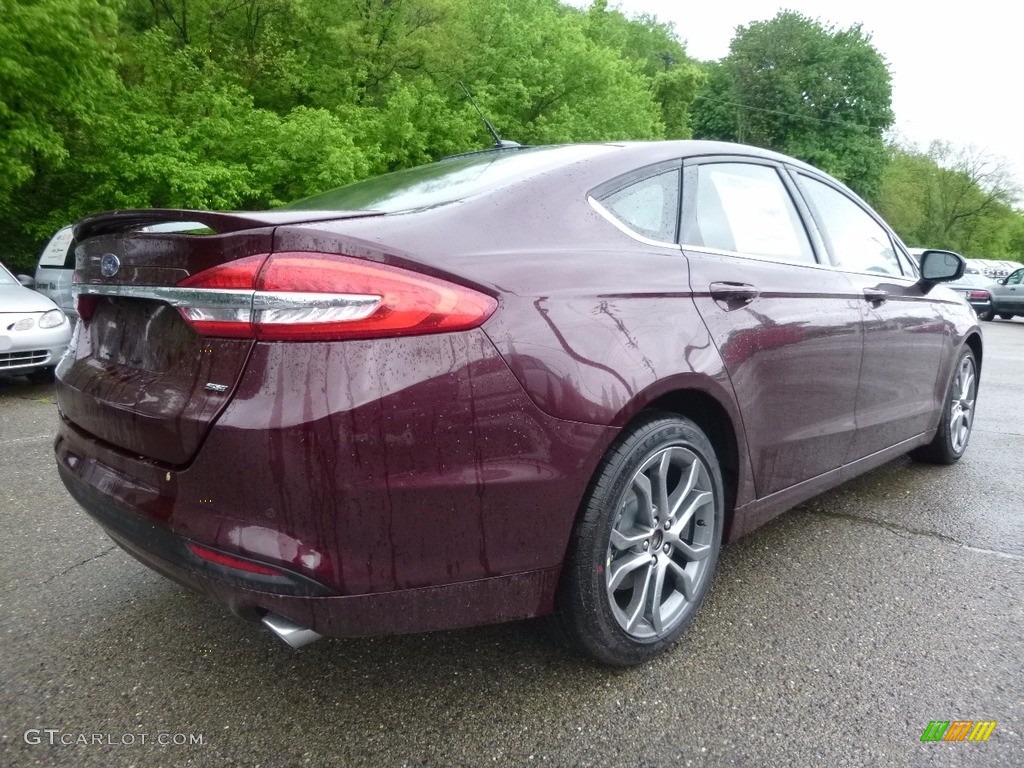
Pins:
x: 55, y: 270
x: 506, y: 384
x: 987, y: 267
x: 977, y: 290
x: 1008, y: 295
x: 34, y: 333
x: 1009, y: 267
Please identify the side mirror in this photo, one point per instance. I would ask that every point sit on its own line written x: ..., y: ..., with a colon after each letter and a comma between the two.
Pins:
x: 942, y: 266
x: 28, y: 282
x: 1002, y: 281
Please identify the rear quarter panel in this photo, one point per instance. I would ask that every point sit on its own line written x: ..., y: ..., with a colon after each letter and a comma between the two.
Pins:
x: 594, y: 324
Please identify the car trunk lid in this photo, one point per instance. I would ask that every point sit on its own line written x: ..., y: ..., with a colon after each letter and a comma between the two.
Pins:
x: 138, y: 376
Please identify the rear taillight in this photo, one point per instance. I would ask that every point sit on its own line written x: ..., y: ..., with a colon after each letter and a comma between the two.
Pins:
x: 979, y: 295
x: 313, y: 296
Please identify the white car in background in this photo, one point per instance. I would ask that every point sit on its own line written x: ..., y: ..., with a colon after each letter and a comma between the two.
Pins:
x: 34, y: 332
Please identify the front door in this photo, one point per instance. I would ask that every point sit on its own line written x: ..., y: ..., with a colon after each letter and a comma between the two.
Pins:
x: 902, y: 336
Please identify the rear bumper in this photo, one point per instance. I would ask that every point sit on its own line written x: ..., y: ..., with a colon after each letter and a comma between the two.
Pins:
x: 417, y: 497
x: 161, y: 549
x: 451, y: 606
x: 981, y: 306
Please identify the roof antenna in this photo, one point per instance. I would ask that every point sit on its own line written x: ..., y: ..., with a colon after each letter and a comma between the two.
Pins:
x: 499, y: 142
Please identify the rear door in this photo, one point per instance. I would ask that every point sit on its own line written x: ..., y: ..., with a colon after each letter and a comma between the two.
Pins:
x: 787, y: 327
x: 903, y: 328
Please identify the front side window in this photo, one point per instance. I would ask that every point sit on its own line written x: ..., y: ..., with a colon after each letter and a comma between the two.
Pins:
x: 1015, y: 278
x: 746, y: 208
x: 649, y: 207
x: 858, y: 242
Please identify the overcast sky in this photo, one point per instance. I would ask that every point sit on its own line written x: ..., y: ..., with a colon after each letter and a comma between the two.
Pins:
x: 956, y: 67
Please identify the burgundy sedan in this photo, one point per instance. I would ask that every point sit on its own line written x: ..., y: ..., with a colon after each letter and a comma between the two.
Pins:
x: 510, y: 383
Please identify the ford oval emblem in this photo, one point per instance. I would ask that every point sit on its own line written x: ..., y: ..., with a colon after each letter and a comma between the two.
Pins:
x: 109, y: 264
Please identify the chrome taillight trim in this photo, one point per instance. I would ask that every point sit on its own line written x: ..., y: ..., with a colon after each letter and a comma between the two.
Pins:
x: 176, y: 296
x: 359, y: 305
x: 267, y: 300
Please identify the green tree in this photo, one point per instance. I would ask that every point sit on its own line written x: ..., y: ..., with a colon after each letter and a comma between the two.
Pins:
x: 250, y: 103
x: 952, y: 197
x: 796, y: 86
x: 55, y: 62
x: 539, y: 74
x: 655, y: 49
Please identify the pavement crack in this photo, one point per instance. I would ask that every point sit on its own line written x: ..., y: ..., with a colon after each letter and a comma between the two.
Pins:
x: 70, y: 568
x: 902, y: 529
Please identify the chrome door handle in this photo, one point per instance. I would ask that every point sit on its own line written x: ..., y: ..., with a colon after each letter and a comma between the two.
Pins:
x: 875, y: 296
x: 733, y: 295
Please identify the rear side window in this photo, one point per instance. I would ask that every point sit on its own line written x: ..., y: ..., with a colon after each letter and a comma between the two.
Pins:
x: 746, y: 208
x: 858, y: 242
x: 649, y: 207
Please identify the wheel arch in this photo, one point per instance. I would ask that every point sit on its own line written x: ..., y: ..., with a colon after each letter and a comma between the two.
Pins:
x: 716, y: 423
x: 974, y: 342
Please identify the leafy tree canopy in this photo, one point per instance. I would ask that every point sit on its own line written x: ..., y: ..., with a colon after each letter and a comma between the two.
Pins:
x: 958, y: 198
x: 54, y: 63
x: 250, y: 103
x: 236, y: 104
x: 796, y: 86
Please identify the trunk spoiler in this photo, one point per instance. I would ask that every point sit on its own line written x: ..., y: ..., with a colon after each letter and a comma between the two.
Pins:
x: 113, y: 222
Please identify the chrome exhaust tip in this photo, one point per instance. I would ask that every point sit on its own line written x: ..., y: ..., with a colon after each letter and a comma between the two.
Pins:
x: 291, y: 633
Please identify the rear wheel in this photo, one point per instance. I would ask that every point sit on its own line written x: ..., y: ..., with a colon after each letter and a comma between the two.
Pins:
x: 646, y: 545
x: 985, y: 315
x: 1005, y: 316
x: 950, y: 441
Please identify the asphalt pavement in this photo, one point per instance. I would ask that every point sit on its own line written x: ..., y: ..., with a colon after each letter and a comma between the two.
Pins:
x: 832, y: 637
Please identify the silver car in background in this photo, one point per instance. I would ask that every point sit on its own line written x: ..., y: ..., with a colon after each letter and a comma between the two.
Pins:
x: 1008, y: 295
x: 977, y: 289
x: 34, y: 332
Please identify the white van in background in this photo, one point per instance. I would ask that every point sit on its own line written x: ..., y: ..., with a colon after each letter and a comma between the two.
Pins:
x: 55, y: 270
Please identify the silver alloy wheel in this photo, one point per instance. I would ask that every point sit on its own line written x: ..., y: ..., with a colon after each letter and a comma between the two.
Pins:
x: 663, y: 534
x: 961, y: 406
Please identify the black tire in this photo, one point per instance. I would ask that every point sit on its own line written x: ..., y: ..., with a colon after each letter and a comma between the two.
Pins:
x: 957, y: 415
x: 680, y: 552
x: 1005, y: 316
x: 986, y: 315
x: 41, y: 375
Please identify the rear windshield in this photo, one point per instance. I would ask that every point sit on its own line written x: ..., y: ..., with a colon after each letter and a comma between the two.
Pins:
x: 446, y: 180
